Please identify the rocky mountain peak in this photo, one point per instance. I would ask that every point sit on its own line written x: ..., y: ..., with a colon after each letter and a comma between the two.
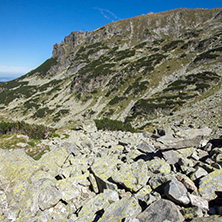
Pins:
x: 142, y: 70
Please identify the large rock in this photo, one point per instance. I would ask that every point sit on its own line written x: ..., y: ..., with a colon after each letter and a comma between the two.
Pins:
x: 103, y: 170
x: 145, y: 148
x: 161, y: 210
x: 132, y: 176
x: 99, y: 203
x: 118, y: 211
x: 213, y: 218
x: 183, y: 139
x: 211, y: 183
x: 158, y: 166
x: 198, y: 202
x: 177, y: 192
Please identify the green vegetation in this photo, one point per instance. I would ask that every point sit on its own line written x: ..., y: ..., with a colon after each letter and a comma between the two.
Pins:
x: 40, y: 113
x: 49, y: 84
x: 44, y: 68
x: 120, y: 55
x: 205, y: 56
x: 141, y: 45
x: 116, y: 100
x: 58, y: 115
x: 54, y: 135
x: 174, y: 95
x: 191, y: 34
x: 33, y: 131
x: 8, y: 95
x: 147, y: 32
x: 137, y: 87
x: 172, y: 45
x: 113, y: 125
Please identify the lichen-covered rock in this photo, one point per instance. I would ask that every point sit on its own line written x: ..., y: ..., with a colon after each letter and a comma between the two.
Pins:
x: 191, y: 212
x: 133, y: 176
x: 49, y: 196
x: 157, y: 180
x: 213, y: 218
x: 99, y: 202
x: 103, y: 169
x: 200, y: 172
x: 211, y: 183
x: 161, y: 210
x: 126, y: 207
x: 158, y: 166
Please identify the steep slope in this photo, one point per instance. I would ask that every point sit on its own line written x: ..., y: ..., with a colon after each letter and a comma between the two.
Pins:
x: 149, y: 70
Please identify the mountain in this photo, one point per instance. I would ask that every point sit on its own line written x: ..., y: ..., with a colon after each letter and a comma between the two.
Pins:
x: 151, y: 70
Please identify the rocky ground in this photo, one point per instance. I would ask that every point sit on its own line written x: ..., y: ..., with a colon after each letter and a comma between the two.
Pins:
x: 89, y: 175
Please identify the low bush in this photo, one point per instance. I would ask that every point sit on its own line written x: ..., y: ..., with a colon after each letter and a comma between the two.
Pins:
x: 31, y: 130
x: 113, y: 125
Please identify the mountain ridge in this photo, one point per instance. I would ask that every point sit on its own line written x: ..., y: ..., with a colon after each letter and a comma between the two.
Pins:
x: 138, y: 70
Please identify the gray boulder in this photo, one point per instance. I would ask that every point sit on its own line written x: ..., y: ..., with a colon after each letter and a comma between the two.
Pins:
x: 160, y: 211
x: 126, y: 207
x: 177, y: 192
x: 213, y: 218
x: 183, y: 139
x: 133, y: 176
x: 145, y: 148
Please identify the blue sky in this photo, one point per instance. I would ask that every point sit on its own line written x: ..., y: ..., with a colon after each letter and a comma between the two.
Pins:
x: 30, y: 28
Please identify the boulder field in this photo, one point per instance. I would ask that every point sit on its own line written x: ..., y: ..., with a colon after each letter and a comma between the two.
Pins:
x: 115, y: 176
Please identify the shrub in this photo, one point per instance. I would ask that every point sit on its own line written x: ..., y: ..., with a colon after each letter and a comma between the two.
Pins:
x: 116, y: 100
x: 33, y: 131
x: 172, y: 45
x: 205, y: 56
x: 44, y: 68
x: 108, y: 124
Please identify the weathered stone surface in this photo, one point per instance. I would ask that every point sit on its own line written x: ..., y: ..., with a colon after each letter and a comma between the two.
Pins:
x: 211, y: 183
x: 103, y: 170
x: 157, y: 180
x: 133, y: 176
x: 158, y: 166
x: 99, y: 202
x: 198, y: 202
x: 200, y: 172
x: 126, y: 207
x: 177, y: 192
x: 213, y: 218
x: 187, y: 182
x: 171, y: 156
x: 161, y: 210
x: 145, y: 148
x: 191, y: 212
x: 106, y: 181
x: 184, y: 139
x: 49, y: 196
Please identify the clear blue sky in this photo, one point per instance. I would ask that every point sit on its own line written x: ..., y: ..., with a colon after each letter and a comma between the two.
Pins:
x: 30, y: 28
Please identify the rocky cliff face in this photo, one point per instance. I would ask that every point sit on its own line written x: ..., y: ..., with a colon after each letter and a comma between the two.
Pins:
x: 150, y: 71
